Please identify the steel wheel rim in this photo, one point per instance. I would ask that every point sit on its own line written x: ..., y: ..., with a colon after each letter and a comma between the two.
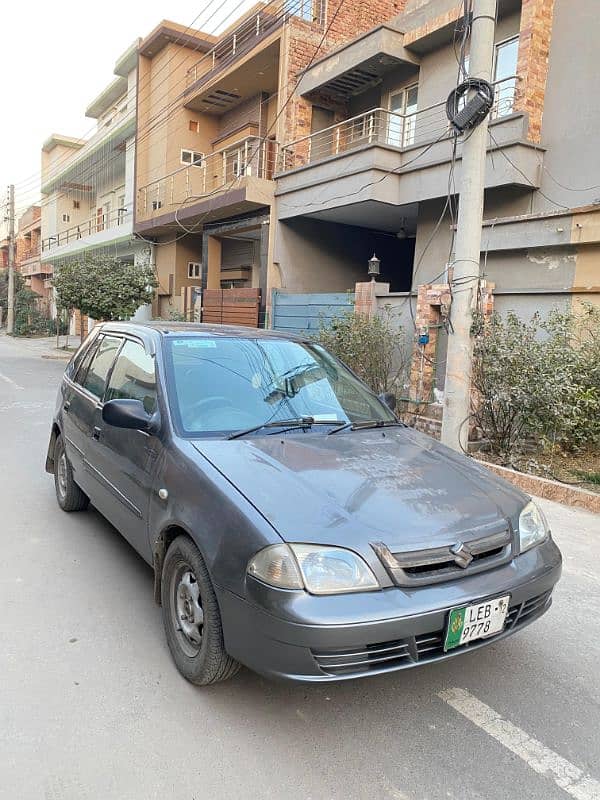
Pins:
x: 62, y: 474
x: 187, y: 614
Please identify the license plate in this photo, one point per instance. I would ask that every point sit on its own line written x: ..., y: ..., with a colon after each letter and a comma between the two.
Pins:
x: 478, y: 621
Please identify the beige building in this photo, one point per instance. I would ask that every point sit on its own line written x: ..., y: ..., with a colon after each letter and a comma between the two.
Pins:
x: 212, y: 113
x: 88, y: 184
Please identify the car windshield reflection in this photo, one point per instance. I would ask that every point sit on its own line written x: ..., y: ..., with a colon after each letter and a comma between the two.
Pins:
x: 223, y: 385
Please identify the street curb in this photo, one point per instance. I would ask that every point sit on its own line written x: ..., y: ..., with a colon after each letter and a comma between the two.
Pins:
x: 549, y: 490
x: 56, y: 357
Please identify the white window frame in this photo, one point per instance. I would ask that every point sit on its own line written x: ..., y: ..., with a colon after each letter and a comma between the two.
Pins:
x: 196, y: 159
x: 194, y: 270
x: 496, y: 112
x: 402, y: 133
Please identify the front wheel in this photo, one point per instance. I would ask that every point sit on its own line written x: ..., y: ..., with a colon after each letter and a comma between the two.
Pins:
x: 191, y: 616
x: 69, y: 495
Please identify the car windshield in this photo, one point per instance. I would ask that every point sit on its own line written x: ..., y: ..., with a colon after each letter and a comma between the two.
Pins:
x: 222, y: 385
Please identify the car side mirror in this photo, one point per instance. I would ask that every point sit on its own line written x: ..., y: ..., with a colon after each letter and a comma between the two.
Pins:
x: 388, y: 399
x: 129, y: 414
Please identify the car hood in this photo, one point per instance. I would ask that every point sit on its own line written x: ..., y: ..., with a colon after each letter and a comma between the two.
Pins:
x: 396, y: 486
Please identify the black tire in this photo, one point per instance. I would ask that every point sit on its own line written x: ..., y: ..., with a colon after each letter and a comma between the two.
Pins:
x: 68, y: 494
x: 187, y: 596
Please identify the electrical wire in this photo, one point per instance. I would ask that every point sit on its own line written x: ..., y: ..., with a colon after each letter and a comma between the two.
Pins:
x: 93, y: 129
x: 163, y: 115
x: 276, y: 119
x: 527, y: 178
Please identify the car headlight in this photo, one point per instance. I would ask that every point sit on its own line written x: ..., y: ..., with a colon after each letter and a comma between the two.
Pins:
x: 533, y: 528
x: 318, y: 569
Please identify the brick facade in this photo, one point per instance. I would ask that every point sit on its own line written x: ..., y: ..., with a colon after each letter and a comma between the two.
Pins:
x: 433, y: 307
x: 306, y: 45
x: 532, y: 66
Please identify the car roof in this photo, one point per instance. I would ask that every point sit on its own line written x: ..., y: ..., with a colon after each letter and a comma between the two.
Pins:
x: 164, y: 328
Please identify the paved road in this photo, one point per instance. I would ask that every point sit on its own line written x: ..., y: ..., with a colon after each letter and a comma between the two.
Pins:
x: 92, y: 708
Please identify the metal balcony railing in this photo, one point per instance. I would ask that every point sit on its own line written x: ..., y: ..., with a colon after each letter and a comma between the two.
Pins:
x: 216, y: 172
x: 382, y: 127
x: 122, y: 118
x: 101, y: 221
x: 251, y: 30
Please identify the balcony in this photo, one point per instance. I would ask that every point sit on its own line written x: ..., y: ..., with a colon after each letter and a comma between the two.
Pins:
x: 27, y: 270
x: 239, y: 42
x: 111, y: 136
x: 381, y: 157
x: 231, y: 180
x: 94, y: 232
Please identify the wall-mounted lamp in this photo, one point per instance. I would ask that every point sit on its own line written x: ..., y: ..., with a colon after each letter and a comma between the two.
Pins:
x: 374, y: 264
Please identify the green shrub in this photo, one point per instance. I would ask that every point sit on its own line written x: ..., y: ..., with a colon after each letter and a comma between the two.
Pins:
x: 373, y: 347
x: 538, y: 381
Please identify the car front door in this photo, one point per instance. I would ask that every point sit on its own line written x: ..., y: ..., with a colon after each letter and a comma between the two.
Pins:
x: 126, y: 459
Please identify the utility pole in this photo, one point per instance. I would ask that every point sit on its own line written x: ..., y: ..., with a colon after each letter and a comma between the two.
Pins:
x: 10, y: 316
x: 465, y: 279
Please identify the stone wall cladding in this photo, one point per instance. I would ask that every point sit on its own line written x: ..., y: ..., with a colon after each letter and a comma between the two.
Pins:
x: 532, y: 67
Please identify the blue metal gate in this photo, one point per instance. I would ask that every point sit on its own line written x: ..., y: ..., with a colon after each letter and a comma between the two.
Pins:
x: 306, y: 313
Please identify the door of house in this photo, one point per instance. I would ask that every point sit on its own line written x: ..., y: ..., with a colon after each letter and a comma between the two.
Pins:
x: 403, y: 120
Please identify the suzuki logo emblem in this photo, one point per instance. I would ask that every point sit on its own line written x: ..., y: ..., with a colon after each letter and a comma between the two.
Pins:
x: 462, y: 554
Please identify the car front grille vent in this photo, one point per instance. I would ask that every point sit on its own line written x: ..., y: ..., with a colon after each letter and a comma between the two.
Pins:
x: 422, y: 648
x: 433, y: 565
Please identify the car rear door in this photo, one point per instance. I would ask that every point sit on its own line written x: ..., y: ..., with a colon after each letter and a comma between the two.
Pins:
x: 125, y: 460
x: 76, y: 414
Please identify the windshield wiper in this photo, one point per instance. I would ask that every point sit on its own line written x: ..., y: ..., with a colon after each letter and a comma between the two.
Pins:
x: 366, y: 425
x: 297, y: 422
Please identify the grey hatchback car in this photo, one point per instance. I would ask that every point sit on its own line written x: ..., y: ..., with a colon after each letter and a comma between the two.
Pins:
x: 293, y: 523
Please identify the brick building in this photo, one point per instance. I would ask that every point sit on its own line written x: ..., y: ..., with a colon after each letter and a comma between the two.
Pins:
x: 375, y: 165
x: 28, y: 252
x: 205, y: 163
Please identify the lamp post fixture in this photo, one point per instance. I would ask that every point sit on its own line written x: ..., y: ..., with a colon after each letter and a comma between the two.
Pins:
x: 374, y: 264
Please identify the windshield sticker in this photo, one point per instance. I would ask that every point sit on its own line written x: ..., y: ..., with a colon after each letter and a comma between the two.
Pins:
x: 194, y: 344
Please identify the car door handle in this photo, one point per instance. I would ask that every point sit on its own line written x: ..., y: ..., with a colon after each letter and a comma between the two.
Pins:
x: 96, y: 433
x: 66, y: 406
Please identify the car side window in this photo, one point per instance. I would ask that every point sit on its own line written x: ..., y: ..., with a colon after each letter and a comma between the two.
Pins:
x: 82, y: 368
x: 133, y: 377
x: 102, y: 361
x: 73, y: 366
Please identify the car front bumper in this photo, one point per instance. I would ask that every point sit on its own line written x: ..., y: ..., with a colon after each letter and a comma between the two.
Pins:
x: 300, y: 637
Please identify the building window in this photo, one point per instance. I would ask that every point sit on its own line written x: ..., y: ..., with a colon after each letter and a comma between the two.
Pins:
x: 156, y: 204
x: 403, y: 120
x: 194, y: 269
x: 76, y: 204
x: 194, y: 126
x: 505, y: 69
x: 66, y: 218
x: 191, y: 158
x: 121, y: 210
x: 309, y: 10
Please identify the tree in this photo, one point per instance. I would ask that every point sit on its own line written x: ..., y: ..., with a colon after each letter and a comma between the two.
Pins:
x: 103, y: 287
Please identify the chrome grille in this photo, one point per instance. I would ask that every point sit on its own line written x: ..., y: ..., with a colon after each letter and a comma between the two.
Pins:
x: 422, y: 648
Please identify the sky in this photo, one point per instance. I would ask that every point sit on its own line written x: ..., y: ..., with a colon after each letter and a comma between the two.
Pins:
x: 55, y: 58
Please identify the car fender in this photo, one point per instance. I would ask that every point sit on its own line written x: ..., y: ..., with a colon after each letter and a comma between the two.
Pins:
x: 191, y: 496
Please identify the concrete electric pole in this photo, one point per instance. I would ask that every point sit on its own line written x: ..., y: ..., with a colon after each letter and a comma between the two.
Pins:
x: 455, y: 427
x: 10, y: 316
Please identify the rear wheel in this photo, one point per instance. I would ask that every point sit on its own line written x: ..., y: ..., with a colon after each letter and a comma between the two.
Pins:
x: 191, y: 616
x: 69, y: 495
